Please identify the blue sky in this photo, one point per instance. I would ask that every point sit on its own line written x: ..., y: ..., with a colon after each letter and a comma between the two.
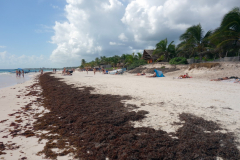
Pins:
x: 26, y: 25
x: 26, y: 28
x: 59, y: 33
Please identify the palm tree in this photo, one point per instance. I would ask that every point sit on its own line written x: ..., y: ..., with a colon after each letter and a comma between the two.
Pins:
x: 162, y: 48
x: 97, y: 61
x: 130, y: 58
x: 114, y: 60
x: 139, y: 55
x: 83, y: 62
x: 226, y: 37
x: 230, y: 25
x: 103, y: 60
x: 194, y: 41
x: 92, y: 64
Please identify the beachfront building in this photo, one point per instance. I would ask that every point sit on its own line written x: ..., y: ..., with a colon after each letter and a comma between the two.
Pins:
x: 148, y: 56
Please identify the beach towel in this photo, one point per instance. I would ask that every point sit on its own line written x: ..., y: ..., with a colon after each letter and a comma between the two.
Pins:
x: 158, y: 73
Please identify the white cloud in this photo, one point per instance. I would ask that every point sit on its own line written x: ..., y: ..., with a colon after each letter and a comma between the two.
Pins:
x: 122, y: 37
x: 95, y: 28
x: 55, y: 6
x: 88, y: 30
x: 114, y: 43
x: 44, y: 29
x: 3, y: 55
x: 8, y: 60
x: 111, y: 4
x: 149, y: 19
x: 2, y: 46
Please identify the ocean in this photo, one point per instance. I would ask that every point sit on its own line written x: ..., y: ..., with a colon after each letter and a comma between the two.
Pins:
x: 8, y: 77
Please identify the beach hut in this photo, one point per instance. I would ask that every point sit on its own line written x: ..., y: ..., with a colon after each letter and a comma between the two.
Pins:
x: 148, y: 56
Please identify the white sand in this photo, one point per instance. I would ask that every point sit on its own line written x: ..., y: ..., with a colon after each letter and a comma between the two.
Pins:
x: 9, y: 103
x: 164, y: 98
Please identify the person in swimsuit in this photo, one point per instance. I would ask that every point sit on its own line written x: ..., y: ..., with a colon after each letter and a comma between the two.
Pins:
x: 219, y: 79
x: 154, y: 75
x: 141, y: 74
x: 184, y: 76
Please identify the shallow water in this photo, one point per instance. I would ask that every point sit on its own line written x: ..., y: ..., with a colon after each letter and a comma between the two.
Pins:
x: 10, y: 79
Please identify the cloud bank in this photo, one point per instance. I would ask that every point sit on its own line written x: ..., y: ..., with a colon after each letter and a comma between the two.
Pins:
x: 113, y: 27
x: 13, y: 61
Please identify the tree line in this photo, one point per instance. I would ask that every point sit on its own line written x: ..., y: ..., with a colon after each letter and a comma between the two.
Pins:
x: 123, y: 60
x: 194, y: 43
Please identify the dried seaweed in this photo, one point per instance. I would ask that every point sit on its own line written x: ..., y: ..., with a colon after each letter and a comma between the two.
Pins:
x: 2, y: 148
x: 93, y: 126
x: 3, y: 121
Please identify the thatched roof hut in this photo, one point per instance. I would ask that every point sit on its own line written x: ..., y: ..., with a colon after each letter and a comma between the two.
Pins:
x: 148, y: 56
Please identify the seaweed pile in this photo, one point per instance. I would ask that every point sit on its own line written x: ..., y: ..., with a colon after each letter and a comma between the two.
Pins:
x: 94, y: 126
x: 2, y: 148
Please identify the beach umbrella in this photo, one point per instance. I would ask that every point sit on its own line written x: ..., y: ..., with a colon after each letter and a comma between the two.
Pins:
x: 20, y: 69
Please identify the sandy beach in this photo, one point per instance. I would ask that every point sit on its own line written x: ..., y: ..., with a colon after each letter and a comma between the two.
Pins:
x: 163, y: 98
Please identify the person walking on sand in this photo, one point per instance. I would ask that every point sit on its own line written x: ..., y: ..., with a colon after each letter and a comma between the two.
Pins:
x: 64, y: 71
x: 41, y: 72
x: 23, y: 73
x: 87, y: 70
x: 16, y: 73
x: 19, y: 73
x: 94, y: 71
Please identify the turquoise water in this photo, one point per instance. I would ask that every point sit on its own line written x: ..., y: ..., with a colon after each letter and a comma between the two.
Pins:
x: 25, y: 70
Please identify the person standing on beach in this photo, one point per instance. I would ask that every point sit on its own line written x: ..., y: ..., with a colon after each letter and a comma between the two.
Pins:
x: 41, y: 72
x: 94, y: 71
x: 87, y: 70
x: 19, y: 73
x: 103, y: 70
x: 23, y: 73
x: 64, y: 71
x: 16, y: 73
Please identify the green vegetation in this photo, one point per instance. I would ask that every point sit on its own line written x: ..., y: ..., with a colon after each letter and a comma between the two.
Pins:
x: 126, y: 60
x: 137, y: 63
x: 194, y: 43
x: 178, y: 60
x: 164, y: 51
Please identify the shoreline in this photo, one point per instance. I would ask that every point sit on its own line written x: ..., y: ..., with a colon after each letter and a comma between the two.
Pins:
x: 203, y: 98
x: 13, y: 101
x: 11, y: 79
